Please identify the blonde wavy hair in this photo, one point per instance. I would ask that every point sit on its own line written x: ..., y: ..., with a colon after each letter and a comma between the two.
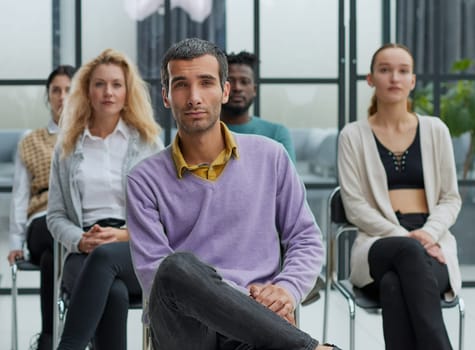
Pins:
x: 137, y: 111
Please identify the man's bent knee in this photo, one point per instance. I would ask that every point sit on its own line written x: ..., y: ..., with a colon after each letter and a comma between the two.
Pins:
x: 175, y: 267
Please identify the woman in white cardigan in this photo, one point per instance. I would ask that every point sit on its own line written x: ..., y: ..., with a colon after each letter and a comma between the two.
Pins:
x: 398, y: 182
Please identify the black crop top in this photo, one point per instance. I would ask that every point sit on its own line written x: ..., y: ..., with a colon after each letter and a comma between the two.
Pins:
x: 403, y: 169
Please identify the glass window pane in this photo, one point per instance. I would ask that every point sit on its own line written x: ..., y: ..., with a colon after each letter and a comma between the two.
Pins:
x: 240, y: 25
x: 300, y: 106
x: 462, y: 153
x: 23, y: 107
x: 67, y: 25
x: 463, y: 230
x: 363, y: 99
x: 299, y: 39
x: 458, y: 112
x: 369, y: 32
x: 311, y: 114
x: 105, y: 24
x: 25, y: 39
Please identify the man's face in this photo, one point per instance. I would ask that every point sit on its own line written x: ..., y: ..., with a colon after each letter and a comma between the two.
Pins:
x: 195, y: 94
x: 243, y: 89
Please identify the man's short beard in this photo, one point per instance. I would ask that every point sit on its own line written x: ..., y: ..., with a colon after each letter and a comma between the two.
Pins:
x: 235, y: 111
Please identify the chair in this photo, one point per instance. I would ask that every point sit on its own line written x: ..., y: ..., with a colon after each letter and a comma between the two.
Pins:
x: 340, y: 236
x: 62, y: 300
x: 9, y: 139
x: 19, y: 265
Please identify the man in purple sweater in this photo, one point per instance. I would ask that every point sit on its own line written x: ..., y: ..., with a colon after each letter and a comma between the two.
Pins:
x: 222, y: 239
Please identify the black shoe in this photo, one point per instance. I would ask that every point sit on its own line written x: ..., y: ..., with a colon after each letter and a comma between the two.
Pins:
x: 334, y: 346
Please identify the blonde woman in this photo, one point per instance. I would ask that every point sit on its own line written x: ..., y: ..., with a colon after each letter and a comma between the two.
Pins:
x: 399, y: 187
x: 107, y: 127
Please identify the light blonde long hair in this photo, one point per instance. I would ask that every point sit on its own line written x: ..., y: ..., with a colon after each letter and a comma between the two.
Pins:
x: 137, y: 111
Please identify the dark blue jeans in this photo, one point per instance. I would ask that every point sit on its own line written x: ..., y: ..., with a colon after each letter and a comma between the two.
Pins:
x: 192, y: 308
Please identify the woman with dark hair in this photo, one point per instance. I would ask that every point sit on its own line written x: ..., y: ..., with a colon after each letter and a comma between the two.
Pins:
x: 30, y: 197
x: 399, y: 187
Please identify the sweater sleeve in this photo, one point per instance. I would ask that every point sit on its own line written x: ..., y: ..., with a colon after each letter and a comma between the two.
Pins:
x: 148, y: 242
x: 19, y: 204
x: 358, y: 209
x: 59, y: 223
x: 301, y: 239
x: 444, y: 213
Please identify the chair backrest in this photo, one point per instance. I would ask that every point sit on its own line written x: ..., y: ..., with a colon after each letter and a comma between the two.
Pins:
x: 338, y: 214
x: 8, y: 145
x: 342, y: 235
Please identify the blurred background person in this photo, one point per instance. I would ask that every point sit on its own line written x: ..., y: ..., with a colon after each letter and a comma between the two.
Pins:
x: 399, y: 187
x: 30, y: 197
x: 235, y: 113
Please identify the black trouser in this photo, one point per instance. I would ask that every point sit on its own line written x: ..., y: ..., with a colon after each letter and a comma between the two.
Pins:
x: 101, y: 283
x: 191, y: 307
x: 409, y: 284
x: 40, y: 245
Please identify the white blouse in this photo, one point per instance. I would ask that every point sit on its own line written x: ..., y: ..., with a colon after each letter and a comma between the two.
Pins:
x: 100, y: 175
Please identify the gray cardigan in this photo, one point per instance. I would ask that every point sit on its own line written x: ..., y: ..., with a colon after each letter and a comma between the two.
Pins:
x: 64, y: 215
x: 365, y: 194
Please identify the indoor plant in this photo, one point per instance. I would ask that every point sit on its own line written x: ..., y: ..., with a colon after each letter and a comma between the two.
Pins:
x: 457, y: 107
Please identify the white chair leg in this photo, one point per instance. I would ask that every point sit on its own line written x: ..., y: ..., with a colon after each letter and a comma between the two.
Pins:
x: 326, y: 302
x: 461, y: 323
x: 352, y: 307
x: 14, y: 309
x: 56, y: 311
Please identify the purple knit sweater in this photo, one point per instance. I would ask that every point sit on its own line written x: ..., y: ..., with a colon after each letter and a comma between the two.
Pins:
x: 233, y: 223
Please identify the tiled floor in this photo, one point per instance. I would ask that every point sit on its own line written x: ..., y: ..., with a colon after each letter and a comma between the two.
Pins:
x: 368, y: 326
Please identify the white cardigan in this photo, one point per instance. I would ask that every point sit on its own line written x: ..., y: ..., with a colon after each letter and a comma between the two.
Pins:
x: 365, y: 196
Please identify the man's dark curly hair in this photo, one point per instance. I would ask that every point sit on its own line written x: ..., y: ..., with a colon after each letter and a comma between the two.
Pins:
x: 243, y: 57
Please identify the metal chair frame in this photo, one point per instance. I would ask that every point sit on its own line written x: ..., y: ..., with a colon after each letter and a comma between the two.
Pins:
x: 353, y: 295
x: 19, y: 265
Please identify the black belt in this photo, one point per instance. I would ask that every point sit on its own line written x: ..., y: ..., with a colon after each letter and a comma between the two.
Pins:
x: 42, y: 190
x: 108, y: 222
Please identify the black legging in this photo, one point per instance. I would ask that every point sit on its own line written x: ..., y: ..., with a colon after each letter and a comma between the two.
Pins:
x: 101, y: 283
x: 40, y: 244
x: 409, y: 284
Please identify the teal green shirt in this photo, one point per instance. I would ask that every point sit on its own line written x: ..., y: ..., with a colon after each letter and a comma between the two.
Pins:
x: 258, y: 126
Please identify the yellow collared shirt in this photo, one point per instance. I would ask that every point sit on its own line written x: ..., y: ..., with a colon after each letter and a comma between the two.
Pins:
x: 206, y: 171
